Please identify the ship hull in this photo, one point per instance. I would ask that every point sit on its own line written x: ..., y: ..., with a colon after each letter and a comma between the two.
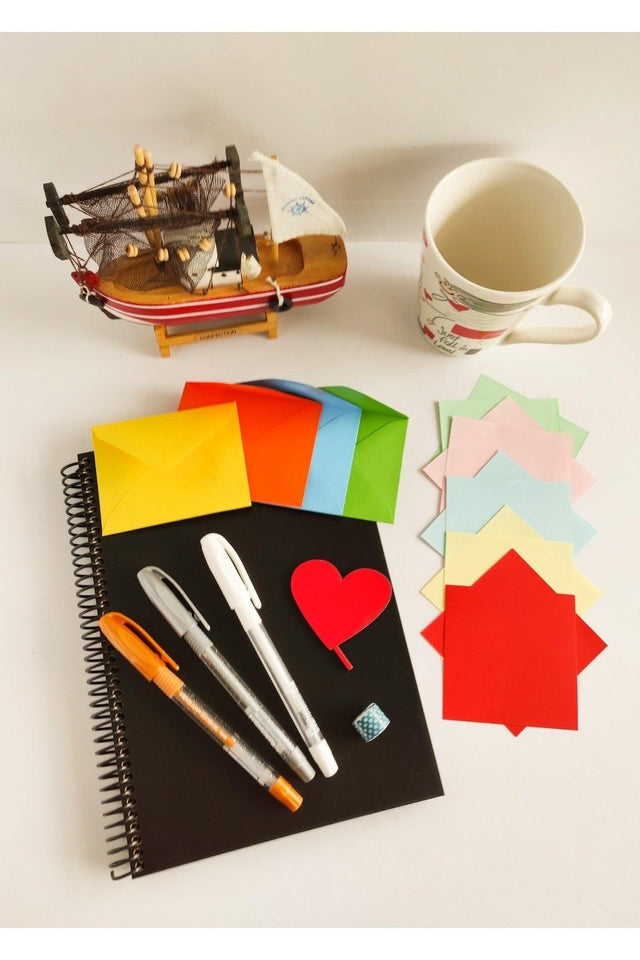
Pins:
x: 208, y: 310
x: 307, y: 271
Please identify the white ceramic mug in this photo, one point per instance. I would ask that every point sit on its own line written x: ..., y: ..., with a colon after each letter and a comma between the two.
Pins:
x: 500, y: 237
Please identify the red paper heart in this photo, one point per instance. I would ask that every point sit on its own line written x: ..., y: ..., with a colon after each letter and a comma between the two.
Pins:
x: 336, y: 607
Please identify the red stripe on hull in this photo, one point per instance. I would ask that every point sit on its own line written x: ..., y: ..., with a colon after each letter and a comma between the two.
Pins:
x: 200, y: 311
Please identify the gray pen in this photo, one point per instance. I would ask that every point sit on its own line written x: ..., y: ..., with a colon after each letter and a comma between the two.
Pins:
x: 179, y: 611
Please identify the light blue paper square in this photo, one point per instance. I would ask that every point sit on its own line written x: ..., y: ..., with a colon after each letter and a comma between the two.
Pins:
x: 473, y: 501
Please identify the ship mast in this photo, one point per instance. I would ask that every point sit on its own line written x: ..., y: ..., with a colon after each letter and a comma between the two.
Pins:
x: 171, y: 213
x: 275, y: 246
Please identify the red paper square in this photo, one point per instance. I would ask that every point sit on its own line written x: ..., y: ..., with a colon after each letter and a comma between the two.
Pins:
x: 589, y: 646
x: 510, y: 650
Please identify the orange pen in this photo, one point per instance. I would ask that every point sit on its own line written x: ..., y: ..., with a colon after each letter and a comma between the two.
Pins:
x: 155, y: 665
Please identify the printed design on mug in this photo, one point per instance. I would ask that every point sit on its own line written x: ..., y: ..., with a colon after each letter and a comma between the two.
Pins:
x: 452, y: 294
x: 462, y: 300
x: 454, y: 338
x: 438, y: 330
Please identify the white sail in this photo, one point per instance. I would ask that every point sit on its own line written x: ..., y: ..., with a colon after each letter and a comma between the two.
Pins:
x: 295, y: 208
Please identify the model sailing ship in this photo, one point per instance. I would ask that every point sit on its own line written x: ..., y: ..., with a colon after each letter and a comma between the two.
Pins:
x: 175, y: 245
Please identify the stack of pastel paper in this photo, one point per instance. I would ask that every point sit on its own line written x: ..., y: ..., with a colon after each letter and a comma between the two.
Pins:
x: 511, y: 630
x: 330, y: 450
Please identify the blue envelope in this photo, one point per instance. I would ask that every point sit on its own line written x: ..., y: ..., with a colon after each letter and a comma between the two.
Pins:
x: 473, y: 501
x: 328, y: 479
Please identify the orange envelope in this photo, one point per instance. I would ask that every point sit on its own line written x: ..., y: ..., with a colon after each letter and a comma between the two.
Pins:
x: 278, y: 434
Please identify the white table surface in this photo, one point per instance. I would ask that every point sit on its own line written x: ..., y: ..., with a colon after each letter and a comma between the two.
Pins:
x: 538, y: 831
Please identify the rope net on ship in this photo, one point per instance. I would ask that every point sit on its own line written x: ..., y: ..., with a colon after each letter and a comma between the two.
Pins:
x: 156, y: 226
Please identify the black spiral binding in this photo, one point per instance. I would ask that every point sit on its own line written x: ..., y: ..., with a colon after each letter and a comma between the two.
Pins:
x: 83, y: 520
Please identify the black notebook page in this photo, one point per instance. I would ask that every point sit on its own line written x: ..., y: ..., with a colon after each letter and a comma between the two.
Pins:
x: 191, y: 799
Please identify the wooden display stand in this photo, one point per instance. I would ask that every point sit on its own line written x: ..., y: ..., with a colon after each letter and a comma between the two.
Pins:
x: 167, y: 340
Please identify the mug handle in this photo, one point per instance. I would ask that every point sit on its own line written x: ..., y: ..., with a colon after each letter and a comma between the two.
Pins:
x: 593, y: 303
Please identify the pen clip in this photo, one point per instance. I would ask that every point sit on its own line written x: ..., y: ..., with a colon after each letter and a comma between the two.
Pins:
x: 181, y: 596
x: 240, y: 568
x: 119, y: 627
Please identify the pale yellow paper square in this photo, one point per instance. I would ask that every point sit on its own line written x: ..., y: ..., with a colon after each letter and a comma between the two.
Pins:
x: 469, y: 555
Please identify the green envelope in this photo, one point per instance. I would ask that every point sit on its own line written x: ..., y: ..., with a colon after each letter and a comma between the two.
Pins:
x: 375, y: 472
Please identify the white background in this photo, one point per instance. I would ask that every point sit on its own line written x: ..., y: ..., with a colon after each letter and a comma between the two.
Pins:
x: 539, y: 831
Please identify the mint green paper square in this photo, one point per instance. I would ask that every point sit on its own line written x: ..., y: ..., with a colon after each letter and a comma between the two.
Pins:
x: 487, y: 393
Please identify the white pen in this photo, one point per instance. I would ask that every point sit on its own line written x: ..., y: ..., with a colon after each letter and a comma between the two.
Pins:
x: 240, y: 594
x: 180, y: 612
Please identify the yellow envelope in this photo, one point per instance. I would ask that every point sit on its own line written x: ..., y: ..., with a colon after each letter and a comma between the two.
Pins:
x: 169, y: 467
x: 469, y: 555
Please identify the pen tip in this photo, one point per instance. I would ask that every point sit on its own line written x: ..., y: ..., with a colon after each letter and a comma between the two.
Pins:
x: 321, y: 753
x: 286, y: 794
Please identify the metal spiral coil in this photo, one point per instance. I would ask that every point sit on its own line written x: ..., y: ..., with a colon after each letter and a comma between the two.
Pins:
x: 83, y: 520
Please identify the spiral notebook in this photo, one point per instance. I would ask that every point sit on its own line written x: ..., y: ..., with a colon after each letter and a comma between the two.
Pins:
x: 170, y: 794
